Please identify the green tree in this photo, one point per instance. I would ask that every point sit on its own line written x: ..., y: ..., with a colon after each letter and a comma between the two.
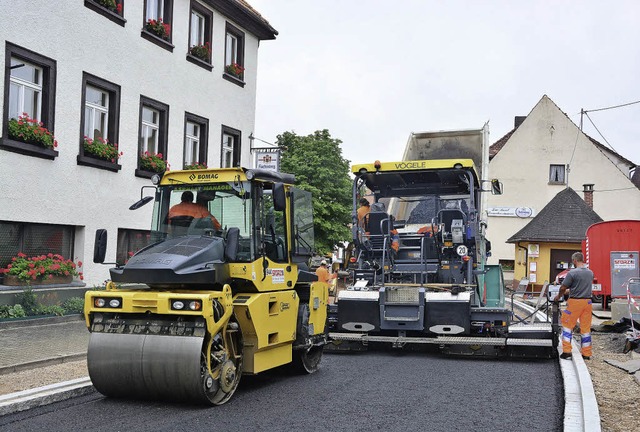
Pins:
x: 317, y: 162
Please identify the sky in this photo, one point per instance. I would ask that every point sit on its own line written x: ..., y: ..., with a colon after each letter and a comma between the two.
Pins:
x: 373, y: 71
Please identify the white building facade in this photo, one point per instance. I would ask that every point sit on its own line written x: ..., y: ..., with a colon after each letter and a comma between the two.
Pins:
x: 180, y: 91
x: 546, y: 153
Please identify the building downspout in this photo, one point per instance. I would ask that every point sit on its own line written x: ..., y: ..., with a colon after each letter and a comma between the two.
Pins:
x: 526, y: 259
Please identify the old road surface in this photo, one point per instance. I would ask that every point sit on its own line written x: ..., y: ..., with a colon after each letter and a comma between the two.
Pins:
x: 370, y: 391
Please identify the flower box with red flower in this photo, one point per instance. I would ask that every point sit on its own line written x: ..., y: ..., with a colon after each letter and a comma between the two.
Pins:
x: 195, y: 166
x: 40, y: 270
x: 153, y: 162
x: 158, y: 28
x: 201, y: 51
x: 31, y: 131
x: 101, y: 149
x: 234, y: 69
x: 114, y: 6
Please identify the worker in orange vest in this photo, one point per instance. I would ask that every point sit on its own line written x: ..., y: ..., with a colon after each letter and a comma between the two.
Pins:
x: 323, y: 273
x: 187, y: 207
x: 579, y: 308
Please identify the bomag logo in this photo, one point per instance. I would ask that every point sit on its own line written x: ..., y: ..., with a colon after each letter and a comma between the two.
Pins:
x: 204, y: 177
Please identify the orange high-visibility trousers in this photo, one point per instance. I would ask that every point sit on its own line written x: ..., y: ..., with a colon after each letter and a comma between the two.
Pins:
x: 577, y: 309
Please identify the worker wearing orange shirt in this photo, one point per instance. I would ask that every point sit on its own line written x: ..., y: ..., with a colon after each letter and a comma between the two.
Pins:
x: 323, y: 273
x: 363, y: 211
x: 187, y: 207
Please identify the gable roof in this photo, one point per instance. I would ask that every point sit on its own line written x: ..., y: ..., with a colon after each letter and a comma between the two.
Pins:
x: 498, y: 145
x: 564, y: 219
x: 246, y: 16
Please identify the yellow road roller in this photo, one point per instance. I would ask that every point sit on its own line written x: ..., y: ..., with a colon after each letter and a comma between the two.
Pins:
x: 221, y: 290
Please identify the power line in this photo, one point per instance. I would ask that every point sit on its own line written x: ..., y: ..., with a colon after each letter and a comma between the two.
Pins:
x: 600, y: 133
x: 611, y: 107
x: 613, y: 190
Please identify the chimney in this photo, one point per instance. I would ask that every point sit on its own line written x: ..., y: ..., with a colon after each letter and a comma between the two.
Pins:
x: 588, y: 194
x: 518, y: 121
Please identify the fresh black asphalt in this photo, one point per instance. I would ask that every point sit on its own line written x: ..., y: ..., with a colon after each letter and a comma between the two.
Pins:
x: 370, y: 391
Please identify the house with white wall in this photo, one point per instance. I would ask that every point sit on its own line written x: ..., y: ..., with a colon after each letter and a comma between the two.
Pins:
x: 545, y: 153
x: 125, y: 87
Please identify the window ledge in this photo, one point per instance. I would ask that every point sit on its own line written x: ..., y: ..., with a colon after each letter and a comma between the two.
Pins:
x: 198, y: 61
x: 108, y: 14
x: 146, y: 174
x: 98, y: 163
x: 233, y: 79
x: 162, y: 43
x: 27, y: 149
x: 557, y: 183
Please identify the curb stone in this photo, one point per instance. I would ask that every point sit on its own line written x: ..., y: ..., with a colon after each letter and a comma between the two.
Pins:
x: 41, y: 363
x: 29, y: 322
x: 24, y: 400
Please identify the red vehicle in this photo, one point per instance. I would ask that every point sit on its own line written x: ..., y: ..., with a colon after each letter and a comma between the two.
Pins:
x: 611, y: 249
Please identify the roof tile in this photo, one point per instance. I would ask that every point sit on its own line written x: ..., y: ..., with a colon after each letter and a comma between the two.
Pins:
x: 564, y: 219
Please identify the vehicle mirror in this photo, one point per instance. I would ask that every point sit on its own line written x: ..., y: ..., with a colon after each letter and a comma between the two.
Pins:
x: 100, y: 246
x: 231, y: 248
x: 144, y: 200
x: 496, y: 187
x: 279, y: 197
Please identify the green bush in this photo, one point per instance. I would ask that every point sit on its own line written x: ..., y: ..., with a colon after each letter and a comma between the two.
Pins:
x: 27, y: 299
x: 73, y: 305
x: 50, y: 310
x: 15, y: 311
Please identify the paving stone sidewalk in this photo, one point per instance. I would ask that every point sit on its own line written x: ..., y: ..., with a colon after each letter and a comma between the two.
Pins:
x: 29, y: 343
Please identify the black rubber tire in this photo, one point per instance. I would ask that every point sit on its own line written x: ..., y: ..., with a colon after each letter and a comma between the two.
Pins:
x: 308, y: 361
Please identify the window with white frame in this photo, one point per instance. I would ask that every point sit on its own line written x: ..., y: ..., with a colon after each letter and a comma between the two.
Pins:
x: 195, y: 140
x: 154, y: 10
x: 197, y: 29
x: 25, y: 92
x: 234, y: 52
x: 150, y: 130
x: 557, y: 174
x: 29, y: 91
x: 100, y: 120
x: 230, y: 149
x: 192, y: 144
x: 156, y: 26
x: 96, y: 113
x: 152, y: 144
x: 231, y: 49
x: 200, y: 35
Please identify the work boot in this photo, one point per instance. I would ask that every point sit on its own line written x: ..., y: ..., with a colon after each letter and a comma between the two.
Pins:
x: 586, y: 357
x: 566, y: 356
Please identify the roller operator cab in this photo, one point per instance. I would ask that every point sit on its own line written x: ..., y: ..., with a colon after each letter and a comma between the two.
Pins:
x: 420, y: 274
x: 219, y: 292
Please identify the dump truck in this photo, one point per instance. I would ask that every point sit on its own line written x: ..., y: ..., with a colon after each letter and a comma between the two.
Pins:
x: 420, y: 272
x: 217, y: 294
